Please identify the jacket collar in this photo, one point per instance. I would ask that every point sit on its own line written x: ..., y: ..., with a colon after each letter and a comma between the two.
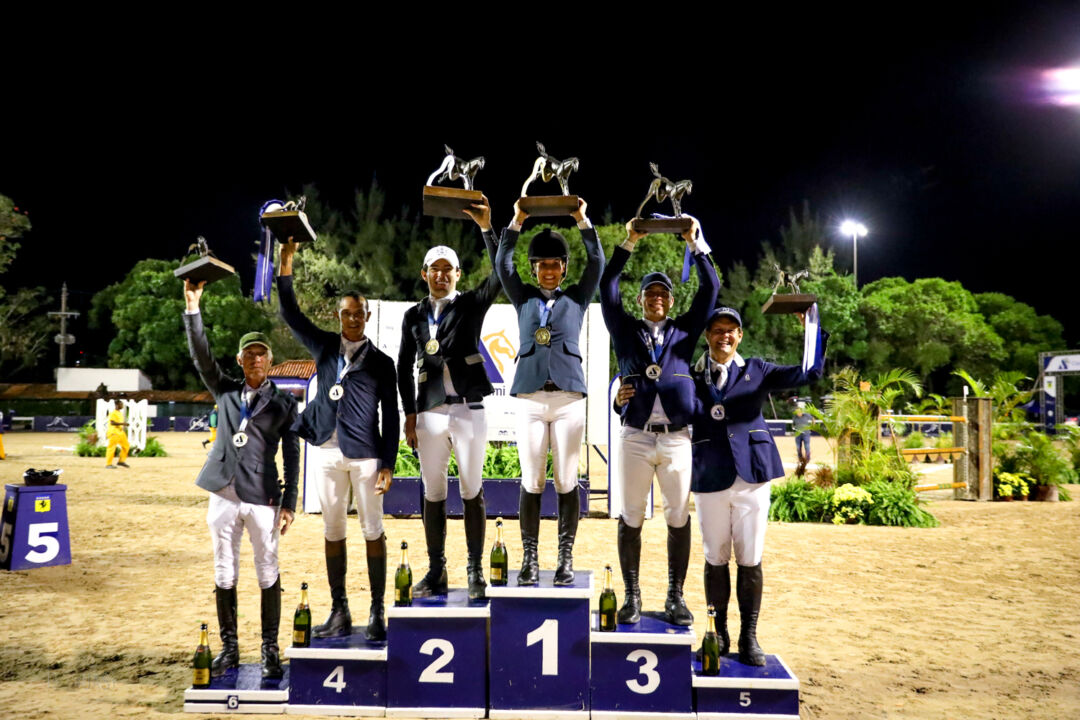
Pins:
x: 704, y: 364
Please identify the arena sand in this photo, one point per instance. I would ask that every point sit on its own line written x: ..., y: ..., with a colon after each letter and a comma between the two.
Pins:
x: 975, y: 619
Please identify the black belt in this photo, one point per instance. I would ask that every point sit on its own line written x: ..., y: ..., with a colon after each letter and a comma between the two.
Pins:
x: 456, y: 399
x: 663, y: 428
x: 551, y: 387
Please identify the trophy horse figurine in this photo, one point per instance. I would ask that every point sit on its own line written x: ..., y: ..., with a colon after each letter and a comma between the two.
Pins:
x: 547, y: 167
x: 662, y: 189
x: 787, y: 279
x: 454, y: 168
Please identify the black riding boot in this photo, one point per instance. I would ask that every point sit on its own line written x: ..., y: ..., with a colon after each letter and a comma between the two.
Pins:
x: 629, y: 540
x: 435, y: 582
x: 337, y: 564
x: 475, y: 524
x: 376, y: 570
x: 678, y: 558
x: 229, y: 657
x: 529, y: 520
x: 717, y: 594
x: 569, y: 510
x: 271, y: 620
x: 748, y: 586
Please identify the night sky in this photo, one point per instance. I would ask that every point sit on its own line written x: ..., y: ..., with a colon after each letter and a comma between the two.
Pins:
x: 926, y: 128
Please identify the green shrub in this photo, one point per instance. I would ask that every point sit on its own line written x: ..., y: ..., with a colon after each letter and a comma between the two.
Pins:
x: 799, y: 501
x: 86, y: 449
x: 501, y: 461
x: 896, y: 505
x: 849, y: 503
x: 945, y: 440
x: 883, y: 464
x: 914, y: 440
x: 406, y: 465
x: 153, y: 448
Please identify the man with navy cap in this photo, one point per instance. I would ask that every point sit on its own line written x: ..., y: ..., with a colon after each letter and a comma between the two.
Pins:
x: 353, y: 423
x: 655, y: 402
x: 440, y: 335
x: 549, y: 382
x: 735, y: 457
x: 241, y: 475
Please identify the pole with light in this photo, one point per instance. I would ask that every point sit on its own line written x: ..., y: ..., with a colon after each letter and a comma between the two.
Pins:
x: 856, y: 230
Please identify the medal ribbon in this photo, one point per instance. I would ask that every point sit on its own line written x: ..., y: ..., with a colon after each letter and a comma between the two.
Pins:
x: 433, y: 323
x: 812, y: 345
x: 344, y: 369
x: 245, y: 411
x: 656, y: 347
x: 545, y: 308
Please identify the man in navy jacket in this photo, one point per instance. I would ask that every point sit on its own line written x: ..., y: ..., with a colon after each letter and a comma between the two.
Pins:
x: 735, y: 457
x: 356, y: 385
x: 656, y: 401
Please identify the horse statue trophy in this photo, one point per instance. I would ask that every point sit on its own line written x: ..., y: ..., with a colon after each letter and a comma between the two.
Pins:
x: 546, y: 168
x: 451, y: 202
x: 663, y: 189
x: 205, y: 268
x: 287, y: 220
x: 789, y: 302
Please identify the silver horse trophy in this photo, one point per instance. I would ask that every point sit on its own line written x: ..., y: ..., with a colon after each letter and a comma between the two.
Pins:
x: 792, y: 302
x: 450, y: 202
x: 206, y: 268
x: 663, y: 189
x: 546, y: 168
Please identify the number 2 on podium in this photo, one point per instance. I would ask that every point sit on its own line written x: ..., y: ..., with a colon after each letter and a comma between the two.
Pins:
x: 548, y: 637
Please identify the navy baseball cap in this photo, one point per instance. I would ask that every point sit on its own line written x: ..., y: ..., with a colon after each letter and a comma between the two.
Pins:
x: 725, y: 312
x: 655, y: 278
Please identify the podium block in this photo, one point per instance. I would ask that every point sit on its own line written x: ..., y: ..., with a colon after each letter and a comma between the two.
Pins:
x: 642, y: 670
x: 745, y: 691
x: 338, y: 676
x: 437, y: 658
x: 34, y: 527
x: 240, y: 690
x: 539, y: 664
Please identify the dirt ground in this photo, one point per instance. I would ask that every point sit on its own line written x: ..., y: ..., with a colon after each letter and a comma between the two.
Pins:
x: 975, y: 619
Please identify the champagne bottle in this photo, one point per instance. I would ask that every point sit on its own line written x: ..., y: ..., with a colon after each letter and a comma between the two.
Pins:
x: 500, y: 559
x: 403, y: 579
x: 710, y: 647
x: 201, y: 663
x: 302, y: 621
x: 607, y: 603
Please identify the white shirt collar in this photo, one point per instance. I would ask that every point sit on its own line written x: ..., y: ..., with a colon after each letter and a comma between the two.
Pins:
x: 656, y: 328
x: 348, y: 347
x: 736, y: 358
x: 439, y: 302
x: 548, y: 293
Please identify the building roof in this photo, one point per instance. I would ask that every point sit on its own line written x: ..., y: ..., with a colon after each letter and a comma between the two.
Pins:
x: 48, y: 391
x: 304, y: 369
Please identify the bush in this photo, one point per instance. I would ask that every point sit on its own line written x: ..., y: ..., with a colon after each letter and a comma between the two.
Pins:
x: 153, y: 448
x: 914, y: 440
x: 879, y: 465
x: 945, y: 440
x: 1012, y: 484
x: 87, y: 444
x: 850, y: 503
x: 407, y: 464
x: 896, y: 505
x: 799, y: 501
x: 501, y: 461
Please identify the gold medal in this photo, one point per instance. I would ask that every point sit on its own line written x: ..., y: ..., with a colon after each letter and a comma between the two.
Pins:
x: 432, y: 346
x: 542, y: 336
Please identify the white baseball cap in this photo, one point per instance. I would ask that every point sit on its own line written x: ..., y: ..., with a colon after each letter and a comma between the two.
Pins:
x: 441, y: 252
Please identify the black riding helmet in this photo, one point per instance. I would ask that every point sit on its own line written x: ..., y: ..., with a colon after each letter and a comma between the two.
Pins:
x: 548, y: 244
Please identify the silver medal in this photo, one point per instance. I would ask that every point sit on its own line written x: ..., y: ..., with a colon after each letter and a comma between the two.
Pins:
x: 336, y: 392
x: 717, y: 411
x: 653, y: 371
x: 240, y: 439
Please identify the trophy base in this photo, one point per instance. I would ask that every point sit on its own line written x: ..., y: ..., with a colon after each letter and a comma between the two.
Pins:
x: 285, y: 224
x: 782, y: 304
x: 676, y: 225
x: 548, y: 205
x: 205, y: 269
x: 449, y: 202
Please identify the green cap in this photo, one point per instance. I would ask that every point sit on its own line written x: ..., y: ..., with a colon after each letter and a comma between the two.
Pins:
x: 254, y: 338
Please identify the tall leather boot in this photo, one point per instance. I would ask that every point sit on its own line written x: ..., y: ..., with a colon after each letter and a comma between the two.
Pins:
x: 678, y: 558
x: 229, y: 657
x: 748, y: 586
x: 475, y: 525
x: 376, y: 570
x: 271, y: 620
x: 717, y: 594
x: 529, y: 520
x: 340, y: 620
x: 629, y: 540
x: 435, y: 581
x: 569, y: 510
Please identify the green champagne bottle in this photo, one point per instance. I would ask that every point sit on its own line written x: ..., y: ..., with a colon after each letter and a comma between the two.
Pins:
x: 403, y: 579
x: 710, y: 647
x: 607, y: 603
x: 500, y: 559
x: 301, y: 627
x: 201, y: 664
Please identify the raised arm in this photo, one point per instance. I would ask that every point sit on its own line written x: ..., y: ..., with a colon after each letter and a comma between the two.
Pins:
x: 594, y: 258
x: 708, y: 281
x: 615, y: 314
x: 481, y: 215
x: 213, y: 377
x: 777, y: 377
x: 504, y: 260
x: 312, y: 336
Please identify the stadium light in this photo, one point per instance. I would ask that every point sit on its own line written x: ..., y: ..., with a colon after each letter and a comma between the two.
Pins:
x: 856, y: 230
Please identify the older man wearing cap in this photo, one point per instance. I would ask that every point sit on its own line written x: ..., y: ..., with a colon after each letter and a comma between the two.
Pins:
x: 354, y: 399
x: 735, y: 457
x: 549, y: 381
x: 241, y: 475
x: 655, y: 402
x: 440, y: 336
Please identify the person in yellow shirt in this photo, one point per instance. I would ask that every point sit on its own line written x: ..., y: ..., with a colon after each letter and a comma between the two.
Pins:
x: 2, y: 455
x: 116, y: 435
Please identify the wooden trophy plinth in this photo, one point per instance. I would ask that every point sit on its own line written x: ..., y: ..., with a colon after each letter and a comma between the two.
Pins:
x: 450, y: 202
x: 548, y: 205
x: 285, y: 224
x: 205, y: 269
x: 676, y: 225
x: 785, y: 304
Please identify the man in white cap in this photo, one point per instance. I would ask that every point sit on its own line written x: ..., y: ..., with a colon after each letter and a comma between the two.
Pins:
x: 444, y: 409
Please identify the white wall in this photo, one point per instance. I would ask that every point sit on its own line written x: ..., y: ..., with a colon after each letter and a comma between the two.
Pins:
x: 83, y: 379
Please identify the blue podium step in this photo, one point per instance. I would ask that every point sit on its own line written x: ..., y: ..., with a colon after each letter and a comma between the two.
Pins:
x: 338, y: 676
x: 240, y: 690
x: 745, y: 692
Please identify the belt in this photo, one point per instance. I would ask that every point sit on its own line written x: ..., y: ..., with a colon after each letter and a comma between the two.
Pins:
x: 663, y: 428
x: 549, y: 386
x: 461, y: 400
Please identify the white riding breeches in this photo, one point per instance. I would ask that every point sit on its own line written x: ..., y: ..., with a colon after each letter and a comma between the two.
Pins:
x: 737, y: 518
x: 454, y: 427
x: 554, y: 419
x: 227, y: 516
x: 335, y: 474
x: 666, y: 455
